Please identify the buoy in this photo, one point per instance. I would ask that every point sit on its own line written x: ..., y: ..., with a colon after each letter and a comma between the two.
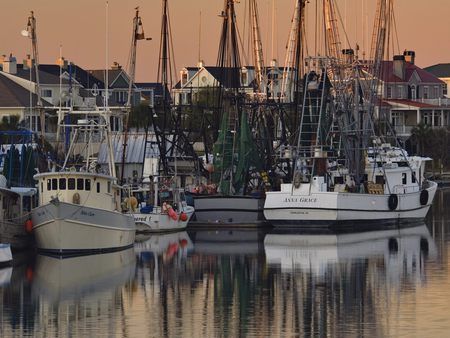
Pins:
x: 172, y: 214
x: 183, y: 217
x: 28, y: 226
x: 133, y: 203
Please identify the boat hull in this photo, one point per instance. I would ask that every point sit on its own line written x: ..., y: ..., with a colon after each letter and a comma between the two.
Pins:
x: 64, y: 228
x: 333, y: 208
x: 229, y: 210
x: 161, y: 222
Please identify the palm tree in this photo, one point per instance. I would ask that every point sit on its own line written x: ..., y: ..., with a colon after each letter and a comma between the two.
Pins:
x: 420, y: 136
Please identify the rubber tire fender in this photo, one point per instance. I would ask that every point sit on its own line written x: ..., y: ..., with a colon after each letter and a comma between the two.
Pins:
x: 423, y: 197
x: 393, y: 201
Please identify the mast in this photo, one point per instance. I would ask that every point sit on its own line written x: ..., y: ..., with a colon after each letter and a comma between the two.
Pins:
x: 257, y: 47
x: 31, y: 33
x: 138, y: 34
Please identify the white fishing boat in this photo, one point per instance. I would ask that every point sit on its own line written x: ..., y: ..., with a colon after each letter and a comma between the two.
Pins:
x: 158, y: 208
x: 400, y: 194
x: 343, y: 170
x: 79, y: 207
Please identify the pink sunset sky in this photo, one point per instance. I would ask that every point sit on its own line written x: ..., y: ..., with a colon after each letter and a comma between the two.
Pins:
x: 79, y: 27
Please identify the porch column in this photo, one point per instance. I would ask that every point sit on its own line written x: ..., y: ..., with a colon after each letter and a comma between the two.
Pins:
x: 417, y: 116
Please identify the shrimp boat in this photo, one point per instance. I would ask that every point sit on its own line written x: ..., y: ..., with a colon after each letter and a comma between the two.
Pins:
x: 157, y: 207
x: 357, y: 176
x: 80, y: 207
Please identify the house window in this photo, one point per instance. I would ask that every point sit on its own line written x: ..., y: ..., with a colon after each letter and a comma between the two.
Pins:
x: 444, y: 90
x: 426, y: 92
x: 436, y: 92
x: 400, y: 92
x: 46, y: 93
x: 413, y: 92
x: 426, y: 118
x: 389, y: 92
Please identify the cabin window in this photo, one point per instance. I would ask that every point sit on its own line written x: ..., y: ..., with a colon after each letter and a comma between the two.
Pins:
x: 98, y: 187
x: 404, y: 178
x: 109, y: 187
x: 71, y: 183
x: 87, y: 185
x: 379, y: 180
x: 49, y: 184
x: 42, y: 186
x: 413, y: 177
x: 80, y: 184
x: 54, y: 184
x: 62, y: 184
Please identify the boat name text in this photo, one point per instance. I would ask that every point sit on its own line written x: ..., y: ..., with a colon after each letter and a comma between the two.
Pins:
x: 300, y: 200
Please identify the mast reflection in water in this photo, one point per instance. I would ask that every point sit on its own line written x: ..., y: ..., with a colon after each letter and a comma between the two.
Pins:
x: 390, y: 282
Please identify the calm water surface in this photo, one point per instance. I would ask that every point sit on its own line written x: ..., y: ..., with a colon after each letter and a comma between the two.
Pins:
x: 228, y: 283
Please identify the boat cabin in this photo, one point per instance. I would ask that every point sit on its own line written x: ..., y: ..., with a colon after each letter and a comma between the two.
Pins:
x: 89, y: 189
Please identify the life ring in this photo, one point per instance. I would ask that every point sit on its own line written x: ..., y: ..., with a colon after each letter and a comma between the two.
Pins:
x: 423, y: 197
x: 393, y: 201
x: 76, y: 198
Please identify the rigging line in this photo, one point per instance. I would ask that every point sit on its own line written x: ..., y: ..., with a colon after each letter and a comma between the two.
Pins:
x: 395, y: 28
x: 343, y: 27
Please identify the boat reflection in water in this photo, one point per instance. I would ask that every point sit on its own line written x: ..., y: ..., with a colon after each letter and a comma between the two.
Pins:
x: 401, y: 248
x: 215, y: 241
x: 166, y: 245
x: 76, y: 278
x: 5, y: 275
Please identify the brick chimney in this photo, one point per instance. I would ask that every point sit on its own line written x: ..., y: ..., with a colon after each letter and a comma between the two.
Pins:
x: 116, y: 66
x: 410, y: 56
x: 399, y: 66
x: 63, y: 63
x: 10, y: 64
x: 28, y: 62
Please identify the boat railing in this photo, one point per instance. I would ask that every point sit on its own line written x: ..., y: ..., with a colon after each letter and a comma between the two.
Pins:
x: 405, y: 189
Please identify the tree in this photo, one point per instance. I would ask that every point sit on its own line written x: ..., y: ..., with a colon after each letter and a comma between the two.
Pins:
x: 420, y: 136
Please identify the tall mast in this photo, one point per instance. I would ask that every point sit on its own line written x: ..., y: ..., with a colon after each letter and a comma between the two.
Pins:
x: 257, y: 46
x: 138, y: 34
x: 31, y: 32
x: 293, y: 65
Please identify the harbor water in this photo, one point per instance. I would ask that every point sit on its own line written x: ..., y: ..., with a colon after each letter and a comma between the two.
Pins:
x: 387, y: 282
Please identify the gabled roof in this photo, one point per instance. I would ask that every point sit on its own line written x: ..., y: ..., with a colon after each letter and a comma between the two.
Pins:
x: 439, y: 70
x: 387, y: 73
x: 113, y: 75
x: 83, y: 77
x: 14, y: 95
x: 45, y: 78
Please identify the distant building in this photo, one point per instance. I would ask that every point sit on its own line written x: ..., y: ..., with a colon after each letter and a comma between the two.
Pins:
x: 412, y: 95
x: 441, y: 71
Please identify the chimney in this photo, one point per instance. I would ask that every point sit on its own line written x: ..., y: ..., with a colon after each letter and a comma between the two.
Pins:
x: 349, y: 55
x: 410, y: 56
x: 200, y: 64
x: 399, y: 66
x: 63, y: 63
x: 10, y: 65
x: 273, y: 63
x: 28, y: 62
x: 116, y: 66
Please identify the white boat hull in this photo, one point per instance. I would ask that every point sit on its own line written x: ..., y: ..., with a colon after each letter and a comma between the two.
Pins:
x: 64, y: 228
x: 158, y: 221
x: 217, y: 209
x: 328, y: 208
